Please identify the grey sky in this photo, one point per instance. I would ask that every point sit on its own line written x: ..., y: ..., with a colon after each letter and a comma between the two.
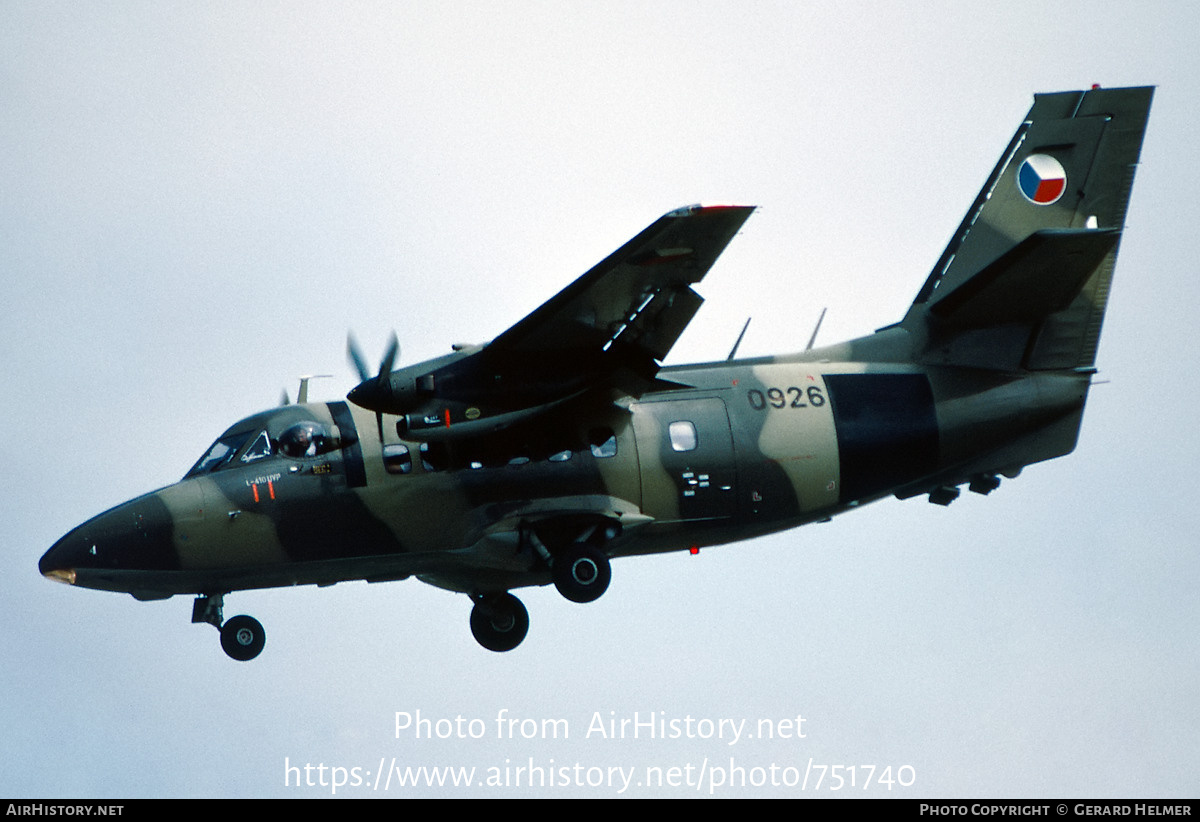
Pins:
x: 200, y: 200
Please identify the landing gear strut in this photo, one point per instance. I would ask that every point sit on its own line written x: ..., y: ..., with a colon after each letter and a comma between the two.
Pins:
x: 498, y: 621
x: 578, y: 564
x: 242, y: 637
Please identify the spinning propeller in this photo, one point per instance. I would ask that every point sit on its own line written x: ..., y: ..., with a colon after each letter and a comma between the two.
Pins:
x: 372, y: 393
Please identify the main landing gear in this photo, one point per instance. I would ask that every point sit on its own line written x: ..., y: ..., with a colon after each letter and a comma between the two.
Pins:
x: 499, y: 621
x: 580, y: 571
x: 242, y: 637
x: 578, y: 562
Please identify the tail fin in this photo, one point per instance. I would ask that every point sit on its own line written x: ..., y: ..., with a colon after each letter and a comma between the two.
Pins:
x: 1025, y: 279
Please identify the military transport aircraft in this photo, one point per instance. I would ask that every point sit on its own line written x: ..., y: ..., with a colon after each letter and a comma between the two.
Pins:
x: 563, y: 443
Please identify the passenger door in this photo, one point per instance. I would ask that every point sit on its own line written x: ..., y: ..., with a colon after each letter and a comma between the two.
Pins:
x: 686, y: 459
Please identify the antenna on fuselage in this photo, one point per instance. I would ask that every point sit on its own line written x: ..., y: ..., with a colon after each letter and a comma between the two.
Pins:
x: 302, y: 397
x: 813, y: 338
x: 739, y: 340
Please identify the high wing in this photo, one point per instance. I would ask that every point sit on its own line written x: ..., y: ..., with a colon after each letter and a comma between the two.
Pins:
x: 639, y: 299
x: 611, y: 328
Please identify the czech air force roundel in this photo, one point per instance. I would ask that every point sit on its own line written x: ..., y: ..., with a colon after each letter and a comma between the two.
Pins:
x: 1041, y: 179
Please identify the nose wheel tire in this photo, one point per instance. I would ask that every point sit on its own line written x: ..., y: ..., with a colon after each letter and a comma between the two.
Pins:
x: 581, y: 572
x: 499, y: 623
x: 243, y: 638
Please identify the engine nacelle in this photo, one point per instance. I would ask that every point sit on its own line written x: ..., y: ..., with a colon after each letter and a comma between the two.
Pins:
x: 445, y: 420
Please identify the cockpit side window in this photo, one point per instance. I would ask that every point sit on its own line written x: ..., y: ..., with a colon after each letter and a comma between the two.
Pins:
x: 306, y: 439
x: 261, y: 447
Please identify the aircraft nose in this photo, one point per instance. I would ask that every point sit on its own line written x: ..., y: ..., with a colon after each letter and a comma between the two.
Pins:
x: 134, y: 536
x: 59, y: 563
x: 73, y: 552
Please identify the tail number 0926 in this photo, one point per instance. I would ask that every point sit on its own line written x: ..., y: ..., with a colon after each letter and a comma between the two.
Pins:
x: 790, y: 397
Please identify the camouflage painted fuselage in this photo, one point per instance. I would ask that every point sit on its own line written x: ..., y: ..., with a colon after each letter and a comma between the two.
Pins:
x: 563, y: 442
x: 777, y: 443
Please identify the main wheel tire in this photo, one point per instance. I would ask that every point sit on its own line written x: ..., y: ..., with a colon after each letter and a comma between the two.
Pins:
x: 581, y: 572
x: 499, y: 623
x: 243, y: 637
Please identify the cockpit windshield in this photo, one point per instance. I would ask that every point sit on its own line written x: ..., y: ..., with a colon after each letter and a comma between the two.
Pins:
x: 289, y: 432
x: 249, y: 441
x: 220, y: 453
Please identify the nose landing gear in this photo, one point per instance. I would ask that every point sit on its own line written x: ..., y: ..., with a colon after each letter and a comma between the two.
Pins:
x: 242, y: 637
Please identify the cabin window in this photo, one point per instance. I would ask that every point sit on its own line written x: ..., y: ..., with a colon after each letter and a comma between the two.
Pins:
x: 397, y: 459
x: 683, y: 435
x: 604, y: 442
x: 561, y: 456
x: 434, y: 456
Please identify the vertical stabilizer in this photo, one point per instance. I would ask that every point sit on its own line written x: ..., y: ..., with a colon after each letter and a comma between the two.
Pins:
x: 1024, y: 282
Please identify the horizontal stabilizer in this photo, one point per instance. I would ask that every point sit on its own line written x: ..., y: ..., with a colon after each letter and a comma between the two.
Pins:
x: 1039, y: 276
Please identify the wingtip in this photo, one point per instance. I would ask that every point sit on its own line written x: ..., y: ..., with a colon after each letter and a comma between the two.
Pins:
x: 696, y: 208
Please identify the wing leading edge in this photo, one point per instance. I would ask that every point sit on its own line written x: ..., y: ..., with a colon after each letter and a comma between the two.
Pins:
x: 611, y: 328
x: 637, y: 301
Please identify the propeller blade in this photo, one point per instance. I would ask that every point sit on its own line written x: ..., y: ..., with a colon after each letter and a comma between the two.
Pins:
x: 389, y: 359
x: 356, y: 358
x: 373, y: 391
